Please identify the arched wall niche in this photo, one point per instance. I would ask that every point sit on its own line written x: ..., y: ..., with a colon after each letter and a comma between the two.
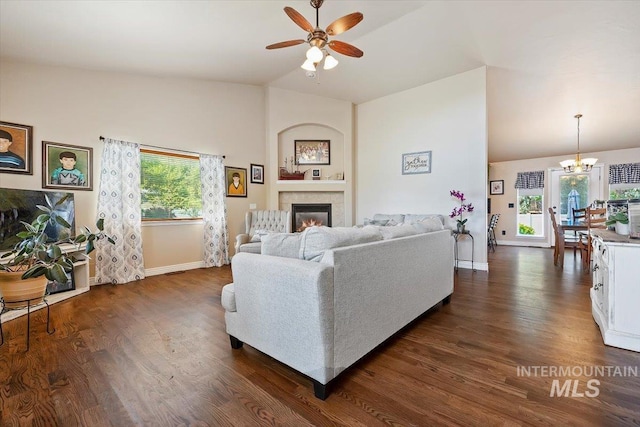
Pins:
x: 313, y: 131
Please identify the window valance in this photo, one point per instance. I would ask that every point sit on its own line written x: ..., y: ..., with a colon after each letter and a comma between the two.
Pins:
x: 533, y: 179
x: 624, y: 173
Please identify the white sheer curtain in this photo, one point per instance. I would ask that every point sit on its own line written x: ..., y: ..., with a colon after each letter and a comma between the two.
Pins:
x: 119, y: 204
x: 214, y: 211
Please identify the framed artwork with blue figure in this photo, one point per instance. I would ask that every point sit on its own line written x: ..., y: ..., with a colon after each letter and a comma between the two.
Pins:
x: 67, y: 166
x: 16, y: 148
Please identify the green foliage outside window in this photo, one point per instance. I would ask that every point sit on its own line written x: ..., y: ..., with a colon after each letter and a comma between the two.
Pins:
x: 525, y: 229
x: 580, y: 183
x: 628, y: 193
x: 170, y: 186
x: 530, y: 204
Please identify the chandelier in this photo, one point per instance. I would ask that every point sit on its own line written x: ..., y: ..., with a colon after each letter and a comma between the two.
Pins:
x: 578, y: 164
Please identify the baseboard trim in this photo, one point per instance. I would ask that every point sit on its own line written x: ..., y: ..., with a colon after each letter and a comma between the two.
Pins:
x: 156, y: 271
x: 529, y: 243
x: 173, y: 268
x: 483, y: 266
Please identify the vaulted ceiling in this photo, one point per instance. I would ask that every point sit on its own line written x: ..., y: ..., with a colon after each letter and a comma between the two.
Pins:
x: 547, y: 60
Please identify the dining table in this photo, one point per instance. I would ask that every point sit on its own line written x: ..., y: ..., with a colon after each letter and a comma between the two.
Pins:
x: 574, y: 226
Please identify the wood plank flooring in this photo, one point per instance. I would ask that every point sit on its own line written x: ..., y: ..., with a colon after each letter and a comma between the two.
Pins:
x: 155, y: 353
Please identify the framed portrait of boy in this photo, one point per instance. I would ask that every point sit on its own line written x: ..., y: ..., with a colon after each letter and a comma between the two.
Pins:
x: 236, y: 181
x: 67, y: 166
x: 16, y: 148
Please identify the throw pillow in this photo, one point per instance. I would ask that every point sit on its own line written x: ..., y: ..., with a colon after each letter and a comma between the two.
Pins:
x: 257, y: 236
x: 316, y: 240
x: 398, y: 231
x: 428, y: 225
x: 286, y: 245
x: 369, y: 221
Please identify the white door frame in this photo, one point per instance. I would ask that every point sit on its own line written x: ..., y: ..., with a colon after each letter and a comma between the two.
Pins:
x: 595, y: 191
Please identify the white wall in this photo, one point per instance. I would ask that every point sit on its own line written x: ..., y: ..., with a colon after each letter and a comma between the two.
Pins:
x: 76, y: 106
x: 289, y: 113
x: 448, y: 117
x: 508, y: 171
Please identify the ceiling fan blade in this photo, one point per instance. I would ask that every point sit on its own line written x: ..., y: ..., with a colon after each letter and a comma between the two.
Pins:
x: 341, y: 25
x: 345, y: 48
x: 286, y: 44
x: 300, y: 20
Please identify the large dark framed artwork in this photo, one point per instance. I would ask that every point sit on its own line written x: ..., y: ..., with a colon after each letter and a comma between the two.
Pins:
x: 18, y: 206
x: 16, y: 148
x: 312, y: 152
x: 236, y: 181
x: 67, y: 166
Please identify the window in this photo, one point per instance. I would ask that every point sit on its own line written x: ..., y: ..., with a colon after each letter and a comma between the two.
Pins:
x: 574, y: 194
x: 530, y: 208
x: 624, y: 191
x: 624, y: 181
x: 170, y: 186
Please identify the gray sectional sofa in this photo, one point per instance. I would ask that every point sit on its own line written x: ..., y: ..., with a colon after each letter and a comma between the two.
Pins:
x: 320, y: 300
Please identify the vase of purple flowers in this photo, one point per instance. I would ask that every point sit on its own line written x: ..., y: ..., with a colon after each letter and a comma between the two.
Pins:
x: 458, y: 212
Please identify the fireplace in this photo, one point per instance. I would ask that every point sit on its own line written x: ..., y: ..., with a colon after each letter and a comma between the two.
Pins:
x: 310, y: 214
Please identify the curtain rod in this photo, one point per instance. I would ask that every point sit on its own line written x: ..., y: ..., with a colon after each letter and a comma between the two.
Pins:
x: 165, y: 148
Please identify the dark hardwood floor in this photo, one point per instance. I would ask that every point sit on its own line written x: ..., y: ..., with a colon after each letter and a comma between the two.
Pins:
x: 155, y: 353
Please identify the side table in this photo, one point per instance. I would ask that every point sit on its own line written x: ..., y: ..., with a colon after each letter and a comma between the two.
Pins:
x: 43, y: 300
x: 456, y: 236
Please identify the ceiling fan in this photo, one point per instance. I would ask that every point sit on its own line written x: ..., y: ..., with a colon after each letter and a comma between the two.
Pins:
x: 319, y: 38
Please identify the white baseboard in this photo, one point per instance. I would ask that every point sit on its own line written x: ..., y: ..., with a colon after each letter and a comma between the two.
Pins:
x: 164, y: 270
x: 542, y: 244
x: 173, y: 268
x: 483, y: 266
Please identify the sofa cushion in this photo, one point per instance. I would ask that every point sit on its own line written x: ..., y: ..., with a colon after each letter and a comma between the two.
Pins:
x: 369, y: 221
x: 428, y: 225
x: 413, y: 218
x: 251, y: 247
x: 281, y: 244
x: 259, y: 234
x: 397, y: 218
x: 316, y: 240
x: 228, y: 298
x: 399, y: 231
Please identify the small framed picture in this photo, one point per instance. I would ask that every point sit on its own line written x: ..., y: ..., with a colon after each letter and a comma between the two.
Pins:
x: 236, y: 181
x: 316, y: 173
x: 312, y: 152
x: 414, y: 163
x: 257, y: 174
x: 16, y: 148
x: 496, y: 187
x: 67, y: 166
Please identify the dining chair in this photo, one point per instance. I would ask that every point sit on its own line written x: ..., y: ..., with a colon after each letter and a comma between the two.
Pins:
x: 561, y: 241
x: 596, y: 218
x: 492, y: 242
x: 579, y: 215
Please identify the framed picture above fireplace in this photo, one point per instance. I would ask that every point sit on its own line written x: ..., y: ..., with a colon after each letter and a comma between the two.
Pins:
x: 312, y: 152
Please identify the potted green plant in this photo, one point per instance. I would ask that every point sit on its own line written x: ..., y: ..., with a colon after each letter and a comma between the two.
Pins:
x: 33, y: 261
x: 621, y: 221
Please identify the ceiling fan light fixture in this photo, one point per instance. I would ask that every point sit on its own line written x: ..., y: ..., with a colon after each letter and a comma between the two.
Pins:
x: 314, y: 54
x: 330, y: 62
x: 308, y: 65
